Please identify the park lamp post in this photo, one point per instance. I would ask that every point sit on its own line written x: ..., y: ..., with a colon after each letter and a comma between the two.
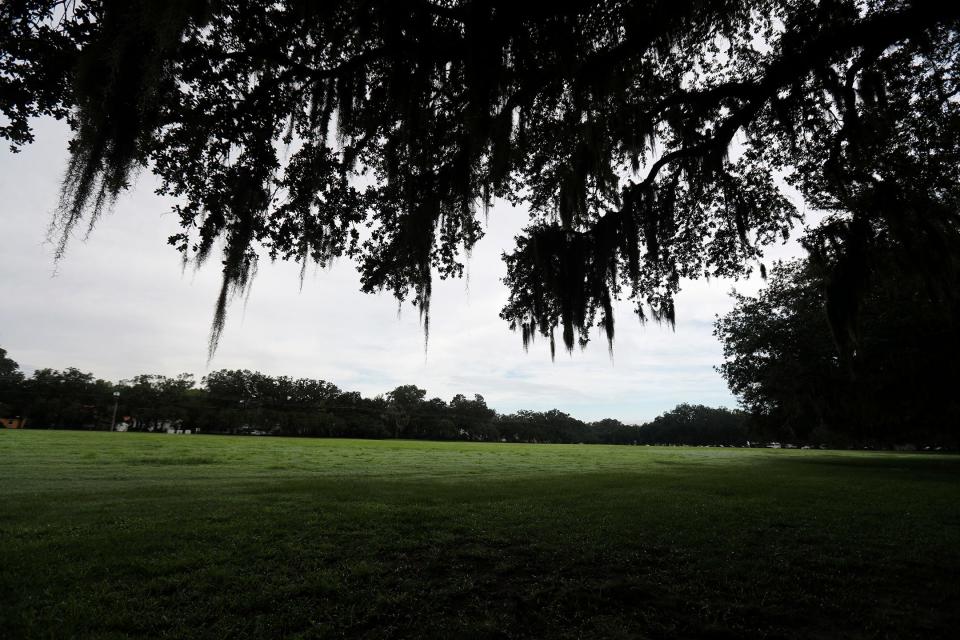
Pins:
x: 116, y: 403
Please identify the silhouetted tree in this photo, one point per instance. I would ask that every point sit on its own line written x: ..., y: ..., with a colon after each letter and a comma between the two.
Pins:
x: 898, y: 383
x: 405, y: 404
x: 610, y: 431
x: 11, y: 379
x: 547, y: 426
x: 9, y: 369
x: 613, y: 121
x: 65, y: 399
x: 696, y: 425
x: 153, y: 401
x: 474, y: 417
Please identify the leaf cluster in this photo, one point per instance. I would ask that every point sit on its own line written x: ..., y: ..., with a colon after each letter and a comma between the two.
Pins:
x: 647, y: 138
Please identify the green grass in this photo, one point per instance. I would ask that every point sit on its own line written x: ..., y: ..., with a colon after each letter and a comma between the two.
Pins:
x: 133, y: 535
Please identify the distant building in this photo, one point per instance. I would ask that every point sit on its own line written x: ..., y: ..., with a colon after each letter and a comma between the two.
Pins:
x: 13, y: 423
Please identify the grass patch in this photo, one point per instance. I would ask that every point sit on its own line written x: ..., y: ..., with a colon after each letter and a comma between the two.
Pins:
x: 136, y: 535
x: 184, y: 460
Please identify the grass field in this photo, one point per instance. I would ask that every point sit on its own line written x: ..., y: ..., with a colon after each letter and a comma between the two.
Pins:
x: 114, y: 535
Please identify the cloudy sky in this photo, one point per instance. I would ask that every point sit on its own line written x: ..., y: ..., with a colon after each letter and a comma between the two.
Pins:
x: 119, y: 304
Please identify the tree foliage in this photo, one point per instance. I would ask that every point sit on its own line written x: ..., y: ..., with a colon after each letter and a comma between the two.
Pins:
x: 50, y: 398
x: 9, y: 369
x: 10, y: 377
x: 697, y: 425
x: 897, y: 384
x: 645, y: 136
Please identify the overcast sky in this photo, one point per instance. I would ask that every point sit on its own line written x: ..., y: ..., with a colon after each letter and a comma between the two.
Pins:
x: 119, y: 304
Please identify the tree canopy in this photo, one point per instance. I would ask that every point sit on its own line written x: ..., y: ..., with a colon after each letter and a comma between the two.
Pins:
x: 9, y: 369
x: 10, y: 377
x: 649, y: 139
x: 898, y: 383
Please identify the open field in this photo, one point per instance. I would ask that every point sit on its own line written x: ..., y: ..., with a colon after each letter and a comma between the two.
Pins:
x: 119, y: 535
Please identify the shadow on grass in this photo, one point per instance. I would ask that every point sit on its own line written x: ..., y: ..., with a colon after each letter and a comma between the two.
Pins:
x: 939, y: 464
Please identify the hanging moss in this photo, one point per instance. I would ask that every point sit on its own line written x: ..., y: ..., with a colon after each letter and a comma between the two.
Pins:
x: 612, y: 122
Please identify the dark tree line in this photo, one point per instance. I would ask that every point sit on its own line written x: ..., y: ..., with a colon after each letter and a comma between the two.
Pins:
x: 285, y: 129
x: 245, y: 402
x: 68, y: 398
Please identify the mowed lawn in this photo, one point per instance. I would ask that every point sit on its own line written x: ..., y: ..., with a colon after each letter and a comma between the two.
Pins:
x: 114, y: 535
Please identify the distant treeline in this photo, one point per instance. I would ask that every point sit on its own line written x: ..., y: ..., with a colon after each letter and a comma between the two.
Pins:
x: 245, y: 402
